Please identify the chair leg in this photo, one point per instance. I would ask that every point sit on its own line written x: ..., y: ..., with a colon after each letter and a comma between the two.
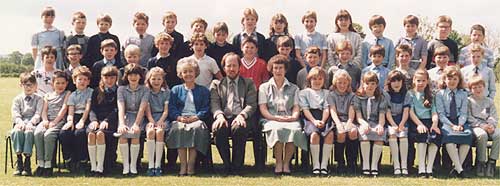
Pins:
x: 7, y: 143
x: 58, y: 156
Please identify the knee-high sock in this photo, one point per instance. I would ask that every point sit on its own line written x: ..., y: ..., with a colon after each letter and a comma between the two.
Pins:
x: 134, y: 152
x: 365, y: 154
x: 150, y: 143
x: 101, y: 151
x: 463, y: 150
x: 403, y: 148
x: 393, y: 144
x: 92, y: 154
x: 327, y: 151
x: 159, y: 153
x: 431, y: 156
x: 377, y: 151
x: 422, y: 149
x: 125, y: 157
x: 453, y: 153
x: 315, y: 155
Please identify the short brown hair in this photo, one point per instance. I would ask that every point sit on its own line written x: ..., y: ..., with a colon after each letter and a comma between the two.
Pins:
x: 376, y: 20
x: 284, y: 41
x: 60, y: 74
x: 74, y: 47
x: 198, y: 37
x: 81, y: 71
x: 108, y: 43
x: 48, y: 11
x: 369, y: 77
x: 162, y: 36
x: 220, y: 27
x: 313, y: 50
x: 278, y: 59
x: 27, y: 77
x: 478, y: 27
x: 169, y: 14
x: 249, y: 12
x: 476, y: 48
x: 476, y: 80
x: 377, y: 49
x: 201, y: 21
x: 411, y: 19
x: 78, y: 15
x: 228, y: 55
x: 445, y: 19
x: 310, y: 15
x: 315, y: 72
x: 141, y: 16
x: 404, y: 48
x: 249, y: 40
x: 104, y: 18
x: 344, y: 45
x: 47, y: 50
x: 442, y: 50
x: 132, y: 68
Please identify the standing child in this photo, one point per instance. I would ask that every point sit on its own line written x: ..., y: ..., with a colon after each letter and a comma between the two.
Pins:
x: 477, y: 35
x: 109, y: 49
x: 249, y: 22
x: 132, y: 54
x: 342, y: 111
x: 312, y: 58
x: 94, y: 47
x: 198, y: 27
x: 403, y: 55
x: 441, y: 57
x: 425, y: 118
x: 144, y: 40
x: 344, y: 31
x: 483, y: 118
x: 418, y: 54
x: 169, y: 21
x: 77, y: 37
x: 103, y: 123
x: 397, y: 117
x: 277, y: 29
x: 285, y: 46
x: 48, y: 36
x: 53, y: 112
x: 377, y: 53
x: 310, y: 38
x: 477, y: 68
x: 443, y: 25
x: 370, y: 105
x: 313, y: 101
x: 74, y: 53
x: 345, y: 61
x: 377, y: 26
x: 165, y: 59
x: 133, y: 99
x: 46, y: 73
x: 156, y: 114
x: 220, y: 46
x: 452, y: 106
x: 26, y: 110
x: 252, y: 66
x: 73, y: 133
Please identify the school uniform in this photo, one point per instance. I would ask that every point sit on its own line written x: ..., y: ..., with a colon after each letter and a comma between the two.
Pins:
x: 419, y: 49
x: 177, y: 44
x: 43, y: 81
x: 25, y: 108
x: 208, y: 69
x: 49, y: 37
x: 121, y: 73
x: 255, y: 70
x: 486, y: 74
x: 238, y: 39
x: 436, y: 43
x: 293, y: 69
x: 97, y: 68
x: 94, y: 49
x: 146, y: 42
x: 356, y: 43
x: 488, y: 56
x: 271, y: 48
x: 216, y: 52
x: 482, y: 111
x: 306, y: 40
x: 132, y: 100
x: 397, y: 102
x: 435, y: 76
x: 76, y: 39
x: 381, y: 71
x: 408, y: 74
x: 316, y: 102
x: 169, y: 66
x: 69, y: 73
x: 353, y: 70
x: 370, y: 109
x: 388, y: 45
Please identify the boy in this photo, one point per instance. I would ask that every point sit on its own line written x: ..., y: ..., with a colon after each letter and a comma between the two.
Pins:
x: 220, y: 47
x: 26, y: 110
x: 284, y: 46
x: 312, y: 57
x: 109, y: 49
x: 44, y: 75
x: 310, y: 38
x: 377, y: 55
x: 444, y: 27
x: 198, y: 26
x: 249, y: 22
x: 94, y: 47
x: 403, y: 55
x: 441, y: 56
x: 477, y: 34
x: 165, y: 59
x: 77, y: 37
x: 483, y: 119
x: 169, y: 21
x: 417, y: 43
x: 131, y: 54
x: 144, y: 40
x: 73, y: 135
x: 476, y: 54
x: 48, y: 36
x: 344, y: 52
x: 74, y: 53
x: 377, y: 26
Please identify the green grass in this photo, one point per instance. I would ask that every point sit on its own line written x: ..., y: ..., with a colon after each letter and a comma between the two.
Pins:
x: 9, y: 88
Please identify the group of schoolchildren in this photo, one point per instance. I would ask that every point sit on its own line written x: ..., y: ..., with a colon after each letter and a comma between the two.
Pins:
x: 95, y: 99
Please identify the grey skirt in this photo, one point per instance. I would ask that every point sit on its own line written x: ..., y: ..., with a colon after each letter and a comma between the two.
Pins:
x: 182, y: 135
x: 284, y: 132
x: 129, y: 121
x: 372, y: 134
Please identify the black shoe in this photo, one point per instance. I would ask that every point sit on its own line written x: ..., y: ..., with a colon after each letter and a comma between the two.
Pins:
x: 351, y: 169
x: 341, y: 169
x: 27, y: 166
x: 429, y: 175
x: 19, y: 165
x: 91, y: 174
x: 48, y: 172
x: 98, y: 174
x: 366, y: 172
x: 453, y: 173
x: 286, y: 173
x: 39, y: 171
x: 422, y: 175
x: 462, y: 175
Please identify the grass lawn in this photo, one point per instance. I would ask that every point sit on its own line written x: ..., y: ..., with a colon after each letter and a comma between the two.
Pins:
x: 9, y: 88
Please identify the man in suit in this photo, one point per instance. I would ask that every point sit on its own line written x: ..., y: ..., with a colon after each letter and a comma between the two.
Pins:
x: 233, y: 101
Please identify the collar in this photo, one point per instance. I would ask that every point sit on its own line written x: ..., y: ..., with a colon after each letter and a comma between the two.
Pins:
x: 158, y: 56
x: 375, y: 67
x: 273, y: 83
x: 341, y: 66
x: 311, y: 33
x: 78, y: 91
x: 139, y: 87
x: 245, y: 34
x: 70, y: 68
x: 51, y: 29
x: 248, y: 64
x: 113, y: 88
x: 236, y: 80
x: 411, y: 39
x: 106, y: 61
x: 159, y: 92
x: 448, y: 91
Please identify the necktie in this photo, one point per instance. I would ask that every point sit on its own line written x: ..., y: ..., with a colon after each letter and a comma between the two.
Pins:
x: 476, y: 70
x: 141, y: 36
x: 230, y: 97
x: 377, y: 41
x: 453, y: 107
x: 27, y: 98
x: 369, y: 106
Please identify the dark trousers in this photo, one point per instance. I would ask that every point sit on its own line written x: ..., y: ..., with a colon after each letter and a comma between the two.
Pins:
x: 110, y: 153
x: 74, y: 141
x: 239, y: 136
x: 350, y: 149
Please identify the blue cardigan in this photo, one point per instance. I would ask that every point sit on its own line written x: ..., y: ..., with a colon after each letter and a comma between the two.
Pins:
x: 178, y: 94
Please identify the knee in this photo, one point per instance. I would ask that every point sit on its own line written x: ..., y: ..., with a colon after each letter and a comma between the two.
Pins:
x: 329, y: 138
x: 315, y: 138
x: 100, y: 135
x: 160, y: 133
x: 341, y: 137
x: 150, y: 133
x: 353, y: 135
x: 123, y: 140
x: 135, y: 141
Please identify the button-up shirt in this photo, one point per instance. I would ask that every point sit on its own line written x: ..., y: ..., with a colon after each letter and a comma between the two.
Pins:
x: 389, y: 56
x: 381, y: 72
x: 443, y: 100
x: 488, y: 58
x: 79, y: 99
x: 482, y: 111
x: 486, y: 73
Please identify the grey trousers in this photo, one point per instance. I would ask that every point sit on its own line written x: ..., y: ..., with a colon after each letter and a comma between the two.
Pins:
x: 482, y: 140
x: 45, y: 141
x: 23, y: 140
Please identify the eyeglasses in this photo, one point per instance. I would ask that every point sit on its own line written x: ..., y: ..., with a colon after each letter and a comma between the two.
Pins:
x: 28, y: 85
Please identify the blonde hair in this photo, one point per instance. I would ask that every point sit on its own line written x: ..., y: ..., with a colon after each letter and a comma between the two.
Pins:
x: 339, y: 74
x: 81, y: 71
x: 187, y: 63
x: 132, y: 50
x: 444, y: 19
x: 249, y: 12
x: 151, y: 73
x: 162, y: 36
x: 476, y: 80
x: 104, y: 18
x: 476, y: 48
x: 310, y: 15
x: 315, y: 72
x: 141, y: 16
x: 167, y: 15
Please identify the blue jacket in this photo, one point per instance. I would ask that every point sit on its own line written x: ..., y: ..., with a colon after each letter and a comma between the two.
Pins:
x: 178, y: 94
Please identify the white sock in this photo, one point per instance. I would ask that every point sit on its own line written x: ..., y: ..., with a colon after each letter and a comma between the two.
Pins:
x: 134, y: 151
x: 101, y: 151
x: 48, y: 164
x: 365, y: 154
x: 463, y: 150
x: 159, y: 153
x: 393, y: 144
x: 41, y: 163
x: 125, y: 156
x: 377, y: 151
x: 92, y: 154
x: 327, y: 151
x: 431, y: 156
x: 150, y: 144
x: 453, y: 152
x: 315, y: 156
x: 421, y: 148
x: 403, y: 148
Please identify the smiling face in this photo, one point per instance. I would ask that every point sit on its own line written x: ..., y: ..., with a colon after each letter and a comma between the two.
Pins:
x: 404, y: 59
x: 133, y: 79
x: 198, y: 28
x: 444, y: 29
x: 411, y: 29
x: 188, y: 74
x: 378, y: 30
x: 81, y: 82
x: 441, y: 60
x: 74, y: 56
x: 109, y: 81
x: 310, y: 24
x: 140, y: 26
x: 283, y: 50
x: 29, y: 88
x: 312, y: 59
x: 343, y: 23
x: 420, y: 82
x: 342, y: 85
x: 156, y: 81
x: 199, y: 47
x: 345, y: 56
x: 249, y: 50
x: 396, y: 85
x: 103, y: 26
x: 170, y: 24
x: 477, y: 89
x: 232, y: 66
x: 249, y: 22
x: 278, y: 70
x: 163, y: 46
x: 476, y: 57
x: 49, y: 60
x: 317, y: 82
x: 377, y: 59
x: 59, y: 85
x: 132, y: 58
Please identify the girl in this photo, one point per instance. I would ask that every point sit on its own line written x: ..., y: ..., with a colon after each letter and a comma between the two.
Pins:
x: 343, y: 113
x: 370, y: 105
x: 277, y: 28
x: 344, y: 31
x: 156, y: 114
x: 48, y: 36
x: 253, y: 67
x: 132, y: 99
x: 103, y: 123
x: 249, y: 23
x: 313, y: 101
x: 399, y: 106
x: 188, y: 106
x: 45, y: 74
x: 452, y: 104
x: 53, y: 111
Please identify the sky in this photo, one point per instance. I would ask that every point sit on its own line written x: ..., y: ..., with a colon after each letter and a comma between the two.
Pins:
x: 23, y: 16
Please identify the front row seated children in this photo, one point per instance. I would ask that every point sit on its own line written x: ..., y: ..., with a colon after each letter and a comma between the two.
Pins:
x: 451, y: 102
x: 26, y: 110
x: 370, y: 106
x: 397, y: 117
x: 252, y: 66
x: 73, y: 133
x: 157, y: 114
x: 109, y: 49
x: 312, y: 59
x: 483, y: 118
x: 132, y: 99
x: 103, y: 123
x: 342, y: 111
x: 377, y: 53
x: 425, y: 118
x: 53, y: 118
x: 314, y: 104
